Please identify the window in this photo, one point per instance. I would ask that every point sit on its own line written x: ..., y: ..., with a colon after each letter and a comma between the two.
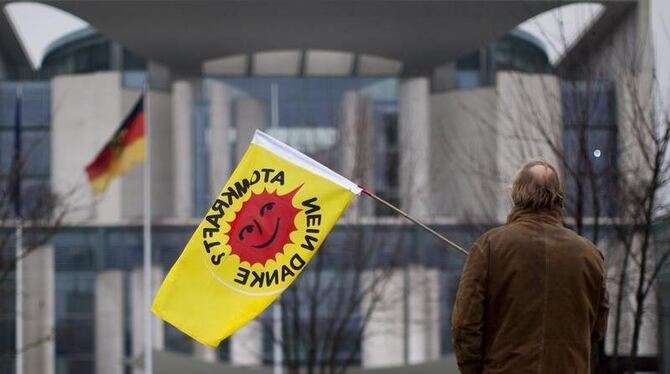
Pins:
x: 589, y: 142
x: 309, y: 110
x: 35, y: 138
x: 386, y: 173
x: 75, y: 321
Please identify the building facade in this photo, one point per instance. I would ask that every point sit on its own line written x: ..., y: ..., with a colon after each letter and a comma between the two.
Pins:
x: 439, y: 133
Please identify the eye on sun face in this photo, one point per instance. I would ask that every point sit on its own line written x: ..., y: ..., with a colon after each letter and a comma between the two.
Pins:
x: 249, y: 229
x: 266, y: 208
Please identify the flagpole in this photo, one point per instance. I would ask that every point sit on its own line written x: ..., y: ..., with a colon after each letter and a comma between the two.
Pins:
x: 148, y: 346
x: 416, y: 221
x: 18, y: 217
x: 276, y: 308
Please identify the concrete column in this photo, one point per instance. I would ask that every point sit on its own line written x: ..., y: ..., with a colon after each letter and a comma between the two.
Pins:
x: 219, y: 145
x: 137, y: 312
x: 109, y: 323
x: 423, y: 315
x: 357, y: 147
x: 161, y: 154
x: 250, y: 115
x: 38, y: 309
x: 404, y: 327
x: 204, y: 353
x: 463, y: 156
x: 182, y: 144
x: 246, y: 345
x: 648, y: 344
x: 86, y: 108
x: 529, y: 107
x: 384, y: 340
x: 132, y: 182
x: 414, y: 141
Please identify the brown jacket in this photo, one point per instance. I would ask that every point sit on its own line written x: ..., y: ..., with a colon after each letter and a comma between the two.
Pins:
x: 531, y: 299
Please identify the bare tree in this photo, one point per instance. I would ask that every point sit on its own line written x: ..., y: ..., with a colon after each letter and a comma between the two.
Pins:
x: 41, y: 215
x: 613, y: 198
x: 326, y: 314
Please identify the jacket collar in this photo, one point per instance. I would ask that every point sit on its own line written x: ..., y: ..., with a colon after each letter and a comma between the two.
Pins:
x: 554, y: 217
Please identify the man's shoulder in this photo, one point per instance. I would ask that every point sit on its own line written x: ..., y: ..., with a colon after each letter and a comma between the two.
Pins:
x: 588, y: 246
x: 499, y: 231
x: 519, y: 231
x: 491, y: 235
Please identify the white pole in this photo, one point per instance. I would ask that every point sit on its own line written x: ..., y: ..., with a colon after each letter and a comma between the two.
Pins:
x: 19, y: 252
x: 278, y: 340
x: 276, y: 308
x: 19, y: 296
x: 274, y: 105
x: 148, y: 346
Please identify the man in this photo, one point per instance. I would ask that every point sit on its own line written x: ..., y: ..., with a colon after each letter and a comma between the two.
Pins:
x: 532, y: 295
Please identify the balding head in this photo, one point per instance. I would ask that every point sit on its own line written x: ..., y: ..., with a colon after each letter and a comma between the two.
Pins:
x: 537, y: 187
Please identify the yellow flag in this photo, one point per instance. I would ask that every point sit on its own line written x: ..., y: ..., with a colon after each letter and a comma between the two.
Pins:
x: 258, y: 236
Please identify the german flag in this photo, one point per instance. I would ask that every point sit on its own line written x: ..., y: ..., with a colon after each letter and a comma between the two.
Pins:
x: 122, y: 151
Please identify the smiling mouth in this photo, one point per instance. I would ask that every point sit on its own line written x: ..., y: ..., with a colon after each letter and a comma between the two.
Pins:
x: 272, y: 238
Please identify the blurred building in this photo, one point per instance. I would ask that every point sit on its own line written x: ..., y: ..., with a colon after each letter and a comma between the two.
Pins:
x: 429, y: 105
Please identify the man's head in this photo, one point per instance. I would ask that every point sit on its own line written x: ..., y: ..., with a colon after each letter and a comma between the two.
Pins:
x: 537, y: 187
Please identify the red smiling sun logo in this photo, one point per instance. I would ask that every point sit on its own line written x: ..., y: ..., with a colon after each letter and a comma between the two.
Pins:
x: 262, y: 226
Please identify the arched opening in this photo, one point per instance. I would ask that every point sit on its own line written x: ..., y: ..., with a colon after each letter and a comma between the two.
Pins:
x: 38, y: 25
x: 558, y: 29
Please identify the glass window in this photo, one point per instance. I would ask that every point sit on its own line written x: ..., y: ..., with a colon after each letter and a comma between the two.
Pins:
x: 224, y: 351
x: 590, y: 103
x: 75, y: 321
x: 468, y: 79
x: 36, y: 150
x: 132, y: 62
x: 134, y: 70
x: 134, y: 79
x: 589, y: 142
x: 176, y: 340
x: 75, y: 258
x: 36, y: 198
x: 664, y: 316
x: 7, y: 154
x: 7, y: 104
x: 92, y: 58
x: 469, y: 62
x: 387, y: 160
x: 520, y: 51
x: 7, y: 324
x: 200, y: 133
x: 309, y: 110
x: 35, y: 104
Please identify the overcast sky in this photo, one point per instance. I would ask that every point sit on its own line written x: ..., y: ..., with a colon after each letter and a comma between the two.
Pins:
x: 38, y: 25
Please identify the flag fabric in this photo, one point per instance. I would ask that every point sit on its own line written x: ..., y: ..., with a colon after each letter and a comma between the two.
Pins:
x: 121, y: 152
x: 259, y: 234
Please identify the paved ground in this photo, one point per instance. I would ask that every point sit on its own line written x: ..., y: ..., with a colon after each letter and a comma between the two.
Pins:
x: 176, y: 363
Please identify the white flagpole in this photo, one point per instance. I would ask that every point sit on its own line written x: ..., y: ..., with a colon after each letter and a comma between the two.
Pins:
x: 276, y: 332
x: 148, y: 346
x: 274, y: 105
x: 276, y: 308
x: 19, y: 237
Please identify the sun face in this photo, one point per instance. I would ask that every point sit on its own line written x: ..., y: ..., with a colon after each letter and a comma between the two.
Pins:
x: 263, y: 226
